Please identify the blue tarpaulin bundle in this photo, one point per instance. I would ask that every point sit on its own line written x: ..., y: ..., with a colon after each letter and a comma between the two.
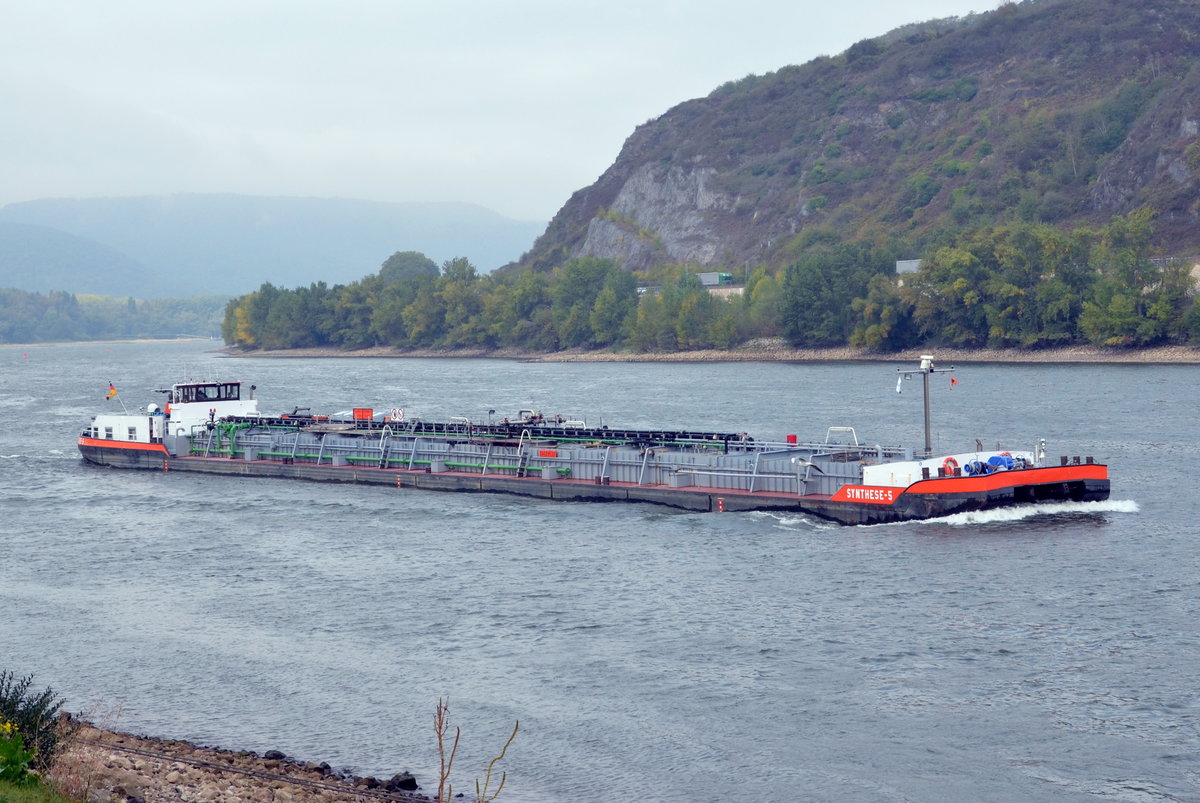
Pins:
x: 1001, y: 461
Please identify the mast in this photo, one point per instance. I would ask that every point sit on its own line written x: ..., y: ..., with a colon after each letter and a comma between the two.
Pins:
x: 925, y: 370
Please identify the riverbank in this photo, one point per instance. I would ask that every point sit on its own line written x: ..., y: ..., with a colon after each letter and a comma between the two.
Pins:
x: 109, y: 765
x: 769, y: 350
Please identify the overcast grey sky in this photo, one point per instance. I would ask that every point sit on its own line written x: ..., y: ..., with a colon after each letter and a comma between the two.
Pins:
x: 512, y: 104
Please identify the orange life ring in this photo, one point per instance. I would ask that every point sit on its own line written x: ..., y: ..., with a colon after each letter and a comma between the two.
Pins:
x: 949, y: 464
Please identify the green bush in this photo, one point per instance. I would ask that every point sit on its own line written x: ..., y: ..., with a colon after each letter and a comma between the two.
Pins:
x: 34, y: 717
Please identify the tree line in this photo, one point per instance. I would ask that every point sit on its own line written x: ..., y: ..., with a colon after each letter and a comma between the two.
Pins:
x: 1020, y: 285
x: 586, y: 303
x: 27, y: 317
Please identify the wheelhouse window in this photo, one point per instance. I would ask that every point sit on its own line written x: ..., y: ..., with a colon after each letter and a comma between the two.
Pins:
x: 209, y: 392
x: 133, y: 433
x: 108, y: 433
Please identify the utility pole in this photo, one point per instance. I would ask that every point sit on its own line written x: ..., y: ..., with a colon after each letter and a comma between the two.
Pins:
x: 925, y: 370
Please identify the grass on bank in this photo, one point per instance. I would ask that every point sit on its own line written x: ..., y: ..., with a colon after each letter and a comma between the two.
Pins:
x: 12, y: 793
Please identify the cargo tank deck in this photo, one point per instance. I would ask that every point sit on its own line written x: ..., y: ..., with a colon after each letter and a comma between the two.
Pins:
x: 692, y: 497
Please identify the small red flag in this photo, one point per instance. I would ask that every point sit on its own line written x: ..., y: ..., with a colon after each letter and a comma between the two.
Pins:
x: 953, y: 381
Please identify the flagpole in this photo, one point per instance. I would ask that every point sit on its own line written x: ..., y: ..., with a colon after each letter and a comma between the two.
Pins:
x: 112, y: 394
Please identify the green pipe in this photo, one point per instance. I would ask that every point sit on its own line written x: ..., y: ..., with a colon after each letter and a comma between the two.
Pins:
x: 480, y: 465
x: 390, y: 460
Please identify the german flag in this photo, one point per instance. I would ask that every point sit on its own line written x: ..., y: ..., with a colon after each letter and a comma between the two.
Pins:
x: 112, y: 391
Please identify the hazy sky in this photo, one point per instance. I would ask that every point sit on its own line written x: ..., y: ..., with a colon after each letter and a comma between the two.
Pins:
x: 512, y: 104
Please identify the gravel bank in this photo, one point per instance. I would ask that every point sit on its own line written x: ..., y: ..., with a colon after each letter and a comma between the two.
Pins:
x: 102, y: 765
x: 767, y: 350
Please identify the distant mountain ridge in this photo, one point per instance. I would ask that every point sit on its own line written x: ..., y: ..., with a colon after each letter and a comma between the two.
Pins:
x: 183, y: 245
x: 44, y: 259
x: 1060, y: 111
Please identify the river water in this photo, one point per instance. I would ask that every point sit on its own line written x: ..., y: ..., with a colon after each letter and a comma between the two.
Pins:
x: 1046, y: 654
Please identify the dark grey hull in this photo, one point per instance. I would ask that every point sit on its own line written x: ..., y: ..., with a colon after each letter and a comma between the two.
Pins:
x: 1031, y: 486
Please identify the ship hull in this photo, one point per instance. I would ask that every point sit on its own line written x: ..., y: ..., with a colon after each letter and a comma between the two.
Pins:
x: 922, y: 500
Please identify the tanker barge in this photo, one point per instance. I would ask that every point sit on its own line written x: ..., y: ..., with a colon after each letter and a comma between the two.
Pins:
x: 216, y: 428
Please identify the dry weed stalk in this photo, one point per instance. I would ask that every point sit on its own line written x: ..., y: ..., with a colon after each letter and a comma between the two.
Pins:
x: 441, y: 723
x: 481, y: 795
x: 77, y: 767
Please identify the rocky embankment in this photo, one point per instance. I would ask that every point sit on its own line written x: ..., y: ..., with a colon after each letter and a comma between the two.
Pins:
x: 101, y: 765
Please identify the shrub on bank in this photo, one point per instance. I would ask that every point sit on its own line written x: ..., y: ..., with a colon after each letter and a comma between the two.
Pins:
x: 32, y: 718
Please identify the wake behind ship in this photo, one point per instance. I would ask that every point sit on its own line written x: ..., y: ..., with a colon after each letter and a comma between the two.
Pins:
x: 216, y: 428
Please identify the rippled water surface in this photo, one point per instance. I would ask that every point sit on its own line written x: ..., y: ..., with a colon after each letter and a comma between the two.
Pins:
x: 1044, y: 654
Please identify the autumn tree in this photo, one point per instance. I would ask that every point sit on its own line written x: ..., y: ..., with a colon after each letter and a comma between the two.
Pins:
x: 404, y: 265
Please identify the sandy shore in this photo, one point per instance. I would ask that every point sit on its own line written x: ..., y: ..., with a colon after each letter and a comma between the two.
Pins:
x: 773, y: 350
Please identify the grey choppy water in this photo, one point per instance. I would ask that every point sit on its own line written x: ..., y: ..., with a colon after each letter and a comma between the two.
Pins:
x: 648, y: 654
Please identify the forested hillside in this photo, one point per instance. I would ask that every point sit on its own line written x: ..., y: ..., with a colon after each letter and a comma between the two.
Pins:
x: 1065, y: 112
x: 44, y: 259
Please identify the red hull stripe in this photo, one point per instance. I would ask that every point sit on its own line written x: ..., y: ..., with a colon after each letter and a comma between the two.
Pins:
x: 1010, y: 479
x: 885, y: 495
x: 133, y: 446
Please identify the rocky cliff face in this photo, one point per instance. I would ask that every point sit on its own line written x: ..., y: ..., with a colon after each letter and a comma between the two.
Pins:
x: 661, y: 213
x: 1062, y: 111
x: 1159, y: 163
